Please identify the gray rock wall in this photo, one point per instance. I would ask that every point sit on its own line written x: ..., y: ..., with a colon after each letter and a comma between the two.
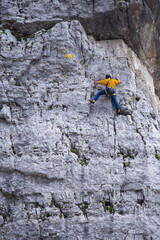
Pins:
x: 70, y: 170
x: 136, y: 22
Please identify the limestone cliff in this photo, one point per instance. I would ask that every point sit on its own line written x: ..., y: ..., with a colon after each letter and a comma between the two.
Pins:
x: 70, y: 170
x: 137, y: 22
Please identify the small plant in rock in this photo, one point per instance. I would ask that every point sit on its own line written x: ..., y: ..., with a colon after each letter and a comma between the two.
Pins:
x: 157, y: 156
x: 108, y: 206
x: 75, y: 151
x: 83, y: 207
x: 52, y: 202
x: 137, y: 130
x: 81, y: 159
x: 12, y: 146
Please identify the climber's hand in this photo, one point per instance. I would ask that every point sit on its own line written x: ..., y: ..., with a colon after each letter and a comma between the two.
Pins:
x: 117, y: 76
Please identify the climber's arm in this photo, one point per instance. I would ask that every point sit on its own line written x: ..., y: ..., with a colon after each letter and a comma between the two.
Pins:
x: 117, y: 80
x: 102, y: 82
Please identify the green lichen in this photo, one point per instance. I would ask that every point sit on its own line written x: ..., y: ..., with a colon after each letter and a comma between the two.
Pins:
x: 66, y: 203
x: 52, y: 202
x: 83, y: 207
x: 57, y: 205
x: 28, y: 215
x: 81, y: 159
x: 44, y: 215
x: 3, y: 31
x: 49, y: 30
x: 26, y: 46
x: 132, y: 118
x: 16, y: 35
x: 25, y: 38
x: 142, y: 114
x: 84, y: 161
x: 64, y: 107
x: 62, y: 137
x: 137, y: 130
x: 114, y: 127
x: 12, y: 146
x: 13, y: 149
x: 126, y: 164
x: 108, y: 207
x: 17, y: 84
x: 157, y: 156
x: 30, y: 94
x: 12, y: 45
x: 35, y: 148
x: 76, y: 151
x: 50, y: 107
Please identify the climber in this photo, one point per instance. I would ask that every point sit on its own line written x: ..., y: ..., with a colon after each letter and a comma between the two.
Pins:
x: 110, y: 89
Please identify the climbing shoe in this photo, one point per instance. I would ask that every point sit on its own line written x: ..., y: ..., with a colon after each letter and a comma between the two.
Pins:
x: 92, y: 101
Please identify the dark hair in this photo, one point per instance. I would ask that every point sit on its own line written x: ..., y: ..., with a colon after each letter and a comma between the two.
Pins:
x: 108, y: 76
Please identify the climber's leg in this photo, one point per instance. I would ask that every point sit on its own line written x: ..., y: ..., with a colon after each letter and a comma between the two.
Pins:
x: 102, y: 92
x: 114, y: 99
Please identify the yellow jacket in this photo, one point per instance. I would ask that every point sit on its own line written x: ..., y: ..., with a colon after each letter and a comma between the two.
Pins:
x: 112, y: 83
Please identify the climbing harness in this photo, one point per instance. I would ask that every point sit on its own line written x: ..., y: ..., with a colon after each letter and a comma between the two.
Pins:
x: 110, y: 90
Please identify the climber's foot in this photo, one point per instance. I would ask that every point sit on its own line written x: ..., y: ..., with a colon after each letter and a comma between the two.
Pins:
x: 92, y: 101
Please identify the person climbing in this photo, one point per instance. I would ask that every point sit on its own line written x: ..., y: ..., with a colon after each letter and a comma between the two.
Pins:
x: 110, y: 89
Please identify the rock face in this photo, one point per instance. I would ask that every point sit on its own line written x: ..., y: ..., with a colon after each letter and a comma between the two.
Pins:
x: 70, y: 170
x: 137, y: 22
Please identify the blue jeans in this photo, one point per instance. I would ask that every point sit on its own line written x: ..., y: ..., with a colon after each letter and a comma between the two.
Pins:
x: 114, y: 99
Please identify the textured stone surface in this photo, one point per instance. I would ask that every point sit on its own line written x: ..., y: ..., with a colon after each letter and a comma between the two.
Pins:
x: 69, y: 170
x: 136, y: 22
